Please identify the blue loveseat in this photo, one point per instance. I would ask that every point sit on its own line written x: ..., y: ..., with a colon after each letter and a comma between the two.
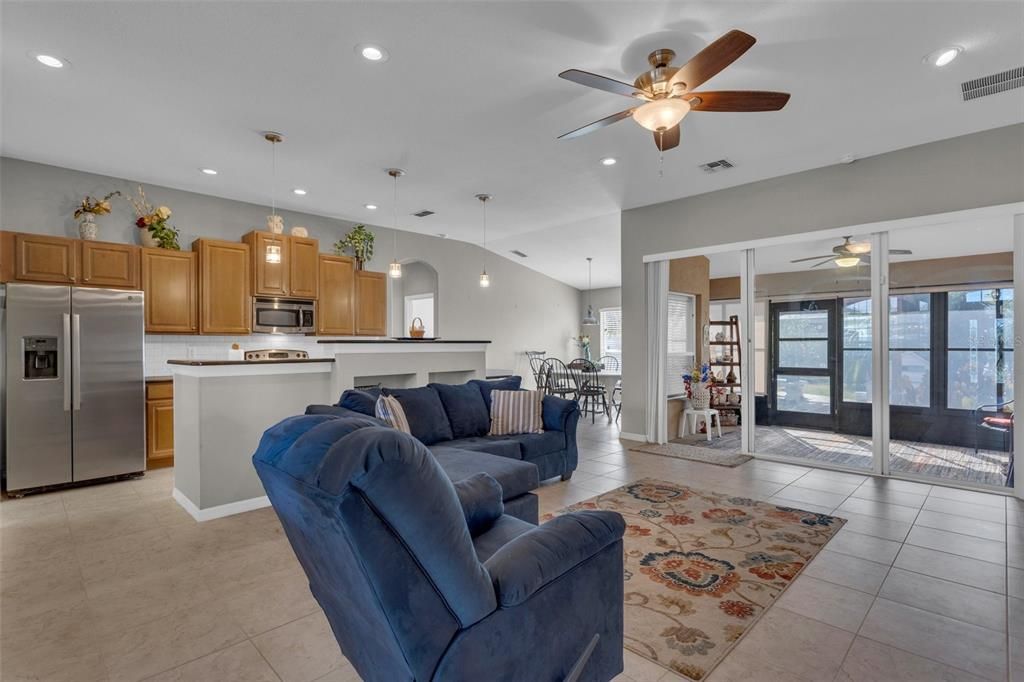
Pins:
x: 425, y: 579
x: 452, y: 420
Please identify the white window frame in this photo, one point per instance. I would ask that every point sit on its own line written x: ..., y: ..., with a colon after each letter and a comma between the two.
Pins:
x: 676, y: 363
x: 601, y: 349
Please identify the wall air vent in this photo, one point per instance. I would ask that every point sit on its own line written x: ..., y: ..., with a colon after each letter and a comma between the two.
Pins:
x: 423, y: 214
x: 518, y: 253
x: 715, y: 166
x: 990, y: 85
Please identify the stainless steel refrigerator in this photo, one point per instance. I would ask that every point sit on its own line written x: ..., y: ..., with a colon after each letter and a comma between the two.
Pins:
x: 75, y: 386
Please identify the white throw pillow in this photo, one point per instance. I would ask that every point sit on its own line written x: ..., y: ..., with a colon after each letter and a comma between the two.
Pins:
x: 390, y: 411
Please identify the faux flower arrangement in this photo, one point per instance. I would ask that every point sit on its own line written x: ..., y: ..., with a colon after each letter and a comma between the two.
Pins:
x: 583, y: 341
x: 93, y: 206
x: 702, y: 377
x: 360, y: 240
x: 154, y: 220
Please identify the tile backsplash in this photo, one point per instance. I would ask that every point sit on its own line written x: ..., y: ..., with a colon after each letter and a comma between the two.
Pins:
x: 163, y: 347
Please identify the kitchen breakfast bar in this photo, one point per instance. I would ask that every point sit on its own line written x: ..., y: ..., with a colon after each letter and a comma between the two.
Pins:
x: 222, y: 407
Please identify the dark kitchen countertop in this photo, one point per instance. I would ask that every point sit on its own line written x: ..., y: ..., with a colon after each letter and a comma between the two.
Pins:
x: 211, y: 363
x: 410, y: 341
x: 161, y: 377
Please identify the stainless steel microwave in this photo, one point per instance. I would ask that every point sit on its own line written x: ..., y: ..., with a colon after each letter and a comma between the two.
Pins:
x: 283, y: 316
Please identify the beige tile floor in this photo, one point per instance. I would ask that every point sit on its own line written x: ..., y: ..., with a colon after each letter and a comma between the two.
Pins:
x: 116, y: 582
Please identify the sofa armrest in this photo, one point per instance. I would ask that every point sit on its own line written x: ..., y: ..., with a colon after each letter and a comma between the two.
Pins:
x: 537, y: 557
x: 559, y: 414
x: 480, y: 496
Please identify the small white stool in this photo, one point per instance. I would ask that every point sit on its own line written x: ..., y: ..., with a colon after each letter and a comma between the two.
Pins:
x: 690, y: 417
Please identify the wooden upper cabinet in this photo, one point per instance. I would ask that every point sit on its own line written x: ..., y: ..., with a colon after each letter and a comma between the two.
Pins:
x: 170, y: 280
x: 39, y: 258
x: 335, y: 306
x: 303, y: 258
x: 110, y: 265
x: 371, y: 303
x: 224, y: 287
x: 269, y: 263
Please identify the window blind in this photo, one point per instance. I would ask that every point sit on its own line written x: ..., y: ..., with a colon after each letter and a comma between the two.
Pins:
x: 611, y: 333
x: 681, y: 341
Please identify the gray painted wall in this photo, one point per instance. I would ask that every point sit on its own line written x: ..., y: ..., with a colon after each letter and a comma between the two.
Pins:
x: 609, y: 297
x: 971, y: 171
x: 522, y: 309
x: 417, y: 278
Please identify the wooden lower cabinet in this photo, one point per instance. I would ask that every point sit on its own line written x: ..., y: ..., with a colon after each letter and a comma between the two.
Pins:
x: 110, y: 265
x: 159, y: 424
x: 371, y: 303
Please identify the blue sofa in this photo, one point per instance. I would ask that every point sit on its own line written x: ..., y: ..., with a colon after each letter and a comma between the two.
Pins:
x: 425, y: 579
x: 452, y: 420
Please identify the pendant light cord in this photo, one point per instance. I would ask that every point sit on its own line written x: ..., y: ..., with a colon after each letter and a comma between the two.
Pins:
x: 273, y: 177
x: 485, y: 235
x: 394, y: 209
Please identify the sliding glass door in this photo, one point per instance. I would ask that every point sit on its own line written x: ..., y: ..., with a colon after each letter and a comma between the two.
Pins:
x: 803, y: 363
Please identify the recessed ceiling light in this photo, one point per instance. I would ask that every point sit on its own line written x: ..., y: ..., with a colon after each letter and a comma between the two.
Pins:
x: 208, y: 171
x: 847, y: 158
x: 943, y: 56
x: 373, y: 53
x: 442, y: 235
x: 370, y: 207
x: 609, y: 161
x: 299, y: 191
x: 50, y: 60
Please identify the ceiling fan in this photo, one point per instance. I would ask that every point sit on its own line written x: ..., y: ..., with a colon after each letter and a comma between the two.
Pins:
x: 849, y: 254
x: 667, y: 92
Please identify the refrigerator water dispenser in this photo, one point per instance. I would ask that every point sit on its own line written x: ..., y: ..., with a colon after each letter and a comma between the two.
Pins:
x: 40, y: 357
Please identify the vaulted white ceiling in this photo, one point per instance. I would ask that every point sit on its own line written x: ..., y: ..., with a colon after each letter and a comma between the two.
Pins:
x: 469, y: 101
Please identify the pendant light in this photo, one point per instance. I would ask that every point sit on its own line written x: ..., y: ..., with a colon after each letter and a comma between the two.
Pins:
x: 273, y: 252
x: 485, y: 279
x: 395, y: 269
x: 589, y: 317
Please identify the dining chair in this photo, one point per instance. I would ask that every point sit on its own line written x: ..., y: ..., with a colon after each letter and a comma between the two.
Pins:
x: 610, y: 363
x: 558, y: 379
x: 591, y: 393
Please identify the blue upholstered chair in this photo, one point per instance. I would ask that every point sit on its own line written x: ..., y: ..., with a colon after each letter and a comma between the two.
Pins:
x: 423, y: 579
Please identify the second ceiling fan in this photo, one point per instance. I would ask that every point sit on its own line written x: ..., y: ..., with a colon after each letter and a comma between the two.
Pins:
x: 667, y: 92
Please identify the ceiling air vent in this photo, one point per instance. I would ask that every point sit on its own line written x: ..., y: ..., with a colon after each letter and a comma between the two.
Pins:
x: 423, y: 214
x: 715, y: 166
x: 990, y: 85
x: 518, y: 253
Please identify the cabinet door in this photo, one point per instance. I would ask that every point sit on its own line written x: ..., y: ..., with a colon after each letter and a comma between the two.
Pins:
x: 159, y: 433
x: 303, y: 254
x: 269, y: 263
x: 334, y: 308
x: 38, y: 258
x: 371, y: 303
x: 171, y: 283
x: 224, y: 304
x: 110, y: 265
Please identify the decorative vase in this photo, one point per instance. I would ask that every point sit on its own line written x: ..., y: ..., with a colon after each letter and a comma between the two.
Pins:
x: 701, y: 399
x: 299, y: 231
x: 147, y: 239
x: 275, y: 224
x: 87, y: 227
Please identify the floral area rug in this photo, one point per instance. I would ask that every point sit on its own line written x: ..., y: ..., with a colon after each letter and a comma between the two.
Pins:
x: 702, y: 567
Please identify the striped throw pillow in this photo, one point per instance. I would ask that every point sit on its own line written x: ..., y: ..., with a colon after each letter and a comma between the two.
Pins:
x: 390, y: 411
x: 515, y: 412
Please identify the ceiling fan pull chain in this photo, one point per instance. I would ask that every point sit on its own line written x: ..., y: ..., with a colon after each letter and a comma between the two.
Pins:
x: 661, y: 153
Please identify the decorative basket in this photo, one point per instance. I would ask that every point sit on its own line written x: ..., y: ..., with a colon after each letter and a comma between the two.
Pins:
x: 417, y: 331
x: 701, y: 399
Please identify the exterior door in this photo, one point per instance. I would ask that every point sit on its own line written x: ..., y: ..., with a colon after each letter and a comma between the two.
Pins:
x: 108, y: 397
x: 804, y: 367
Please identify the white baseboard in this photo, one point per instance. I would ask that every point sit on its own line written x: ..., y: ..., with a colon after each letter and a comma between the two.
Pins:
x: 633, y: 436
x: 219, y: 511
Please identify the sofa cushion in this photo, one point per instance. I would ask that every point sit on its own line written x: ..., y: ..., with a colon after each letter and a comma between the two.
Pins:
x: 502, y: 446
x: 504, y: 529
x: 480, y: 497
x: 486, y: 386
x: 515, y: 412
x: 427, y: 419
x: 391, y: 412
x: 363, y: 402
x: 466, y: 409
x: 514, y: 476
x: 534, y: 445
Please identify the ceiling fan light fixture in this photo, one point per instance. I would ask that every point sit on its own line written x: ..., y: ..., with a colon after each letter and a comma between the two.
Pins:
x: 661, y: 114
x: 943, y: 56
x: 848, y: 261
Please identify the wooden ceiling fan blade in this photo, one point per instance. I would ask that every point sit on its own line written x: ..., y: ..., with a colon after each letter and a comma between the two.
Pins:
x: 827, y: 260
x: 592, y: 80
x: 804, y: 260
x: 668, y: 139
x: 597, y: 125
x: 713, y: 59
x: 738, y: 100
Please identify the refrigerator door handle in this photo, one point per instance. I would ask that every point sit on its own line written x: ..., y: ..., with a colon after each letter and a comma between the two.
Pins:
x: 76, y: 360
x: 67, y: 362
